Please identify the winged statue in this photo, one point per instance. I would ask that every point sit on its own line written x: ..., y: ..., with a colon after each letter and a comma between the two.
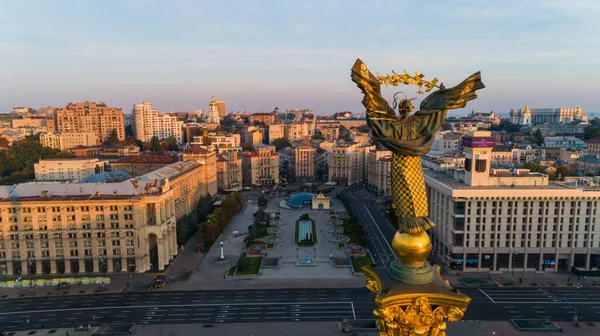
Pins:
x: 410, y: 136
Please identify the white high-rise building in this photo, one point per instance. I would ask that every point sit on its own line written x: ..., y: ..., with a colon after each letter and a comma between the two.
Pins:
x: 147, y: 123
x: 213, y: 112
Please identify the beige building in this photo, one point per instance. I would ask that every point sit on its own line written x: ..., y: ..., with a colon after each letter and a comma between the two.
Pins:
x: 90, y: 117
x: 229, y: 172
x: 97, y: 227
x: 214, y: 116
x: 379, y: 167
x: 331, y: 132
x: 276, y: 131
x: 499, y: 220
x: 28, y: 122
x: 347, y: 163
x: 67, y: 140
x: 260, y: 167
x: 297, y: 131
x: 207, y: 159
x: 362, y: 139
x: 148, y: 123
x: 138, y: 165
x: 267, y: 118
x: 222, y: 107
x: 593, y: 146
x: 68, y: 169
x: 303, y: 163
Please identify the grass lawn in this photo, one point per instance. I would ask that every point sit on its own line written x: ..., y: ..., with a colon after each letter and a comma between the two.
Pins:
x: 359, y: 262
x: 250, y: 266
x: 231, y: 271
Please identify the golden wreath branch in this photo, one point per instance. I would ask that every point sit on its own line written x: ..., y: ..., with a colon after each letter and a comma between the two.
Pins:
x: 396, y: 79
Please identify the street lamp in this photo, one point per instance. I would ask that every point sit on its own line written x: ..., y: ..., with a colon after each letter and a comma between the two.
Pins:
x: 315, y: 252
x: 297, y: 252
x: 222, y: 244
x: 514, y: 255
x: 576, y: 317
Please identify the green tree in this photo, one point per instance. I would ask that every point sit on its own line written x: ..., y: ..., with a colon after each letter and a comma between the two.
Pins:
x: 3, y: 142
x: 534, y: 167
x: 281, y: 143
x: 155, y: 145
x: 590, y: 132
x: 539, y: 138
x: 113, y: 139
x: 172, y: 143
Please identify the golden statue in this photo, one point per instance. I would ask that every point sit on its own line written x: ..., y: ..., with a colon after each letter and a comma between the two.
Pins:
x: 412, y: 298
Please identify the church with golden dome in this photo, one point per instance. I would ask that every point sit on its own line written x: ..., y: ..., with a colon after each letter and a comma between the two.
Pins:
x: 561, y: 115
x: 213, y: 112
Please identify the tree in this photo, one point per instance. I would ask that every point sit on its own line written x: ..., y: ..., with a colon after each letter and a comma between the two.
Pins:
x: 129, y: 131
x: 172, y: 143
x: 534, y: 167
x: 590, y: 132
x: 563, y: 171
x: 3, y: 142
x: 281, y: 143
x: 155, y: 145
x: 113, y: 139
x: 318, y: 136
x: 446, y: 126
x: 539, y: 138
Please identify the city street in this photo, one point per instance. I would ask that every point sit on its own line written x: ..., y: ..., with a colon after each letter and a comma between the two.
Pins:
x: 283, y: 305
x: 379, y: 235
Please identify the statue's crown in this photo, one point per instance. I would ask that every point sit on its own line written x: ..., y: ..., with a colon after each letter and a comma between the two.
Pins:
x: 405, y: 78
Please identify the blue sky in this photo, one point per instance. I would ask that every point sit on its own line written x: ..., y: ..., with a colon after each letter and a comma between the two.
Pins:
x: 294, y: 54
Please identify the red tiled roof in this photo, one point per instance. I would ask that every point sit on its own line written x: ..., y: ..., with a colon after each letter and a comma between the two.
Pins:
x: 197, y: 150
x: 147, y: 159
x: 593, y: 140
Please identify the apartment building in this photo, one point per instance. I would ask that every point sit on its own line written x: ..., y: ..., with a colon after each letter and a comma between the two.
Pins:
x: 68, y: 169
x: 208, y: 159
x: 379, y: 167
x: 128, y: 226
x: 229, y: 172
x: 303, y: 163
x: 68, y: 140
x: 504, y: 220
x: 148, y: 123
x: 347, y: 163
x: 261, y: 117
x: 90, y: 117
x: 260, y: 167
x: 276, y: 131
x: 138, y: 165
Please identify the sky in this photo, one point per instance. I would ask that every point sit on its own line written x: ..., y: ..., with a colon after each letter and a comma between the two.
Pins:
x: 260, y: 54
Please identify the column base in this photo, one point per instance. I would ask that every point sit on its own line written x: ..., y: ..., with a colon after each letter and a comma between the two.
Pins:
x: 411, y: 274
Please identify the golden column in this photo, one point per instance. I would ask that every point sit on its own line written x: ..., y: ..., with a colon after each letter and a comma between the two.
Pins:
x: 411, y: 296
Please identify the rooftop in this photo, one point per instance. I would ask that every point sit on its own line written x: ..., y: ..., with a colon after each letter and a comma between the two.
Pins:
x: 147, y: 159
x: 197, y: 150
x: 457, y: 185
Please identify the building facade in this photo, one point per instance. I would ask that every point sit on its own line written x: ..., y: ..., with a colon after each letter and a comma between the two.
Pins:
x: 128, y: 226
x: 68, y: 169
x: 214, y: 116
x: 138, y: 165
x: 527, y: 116
x: 330, y: 132
x: 148, y: 123
x: 208, y: 159
x: 222, y: 108
x: 67, y: 140
x: 260, y: 167
x: 261, y: 117
x: 303, y: 162
x: 347, y: 163
x: 276, y: 131
x: 229, y: 172
x: 379, y: 168
x: 90, y: 117
x: 498, y: 220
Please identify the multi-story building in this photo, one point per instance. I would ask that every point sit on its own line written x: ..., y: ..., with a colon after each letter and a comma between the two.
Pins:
x: 445, y: 142
x: 67, y: 140
x: 502, y: 220
x: 527, y: 116
x: 588, y: 165
x: 361, y: 138
x: 347, y: 163
x: 566, y: 142
x: 593, y: 146
x: 128, y: 226
x: 297, y: 132
x: 68, y: 169
x: 90, y: 117
x: 330, y: 132
x: 229, y: 172
x: 28, y: 122
x: 260, y: 167
x: 530, y: 152
x: 148, y: 123
x: 303, y: 163
x: 504, y: 156
x: 138, y: 165
x: 261, y: 117
x: 208, y: 159
x: 222, y: 107
x: 276, y: 131
x: 379, y: 165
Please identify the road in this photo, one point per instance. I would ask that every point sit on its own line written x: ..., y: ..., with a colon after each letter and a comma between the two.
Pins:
x: 276, y: 305
x: 377, y: 228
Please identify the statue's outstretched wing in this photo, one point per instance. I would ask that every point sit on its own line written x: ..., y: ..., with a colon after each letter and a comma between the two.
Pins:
x: 452, y: 98
x: 377, y: 107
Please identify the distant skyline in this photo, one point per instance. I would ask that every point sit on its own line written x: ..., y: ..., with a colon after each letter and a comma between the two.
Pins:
x: 294, y: 54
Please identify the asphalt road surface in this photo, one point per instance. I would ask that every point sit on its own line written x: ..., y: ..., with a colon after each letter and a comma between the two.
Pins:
x: 280, y: 305
x: 376, y: 227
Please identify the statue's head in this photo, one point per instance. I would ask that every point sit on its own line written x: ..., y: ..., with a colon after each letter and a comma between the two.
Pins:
x: 405, y: 107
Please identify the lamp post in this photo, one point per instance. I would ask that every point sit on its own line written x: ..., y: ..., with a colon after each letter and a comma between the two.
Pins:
x: 512, y: 279
x: 222, y: 244
x: 315, y: 252
x: 297, y: 252
x: 576, y: 317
